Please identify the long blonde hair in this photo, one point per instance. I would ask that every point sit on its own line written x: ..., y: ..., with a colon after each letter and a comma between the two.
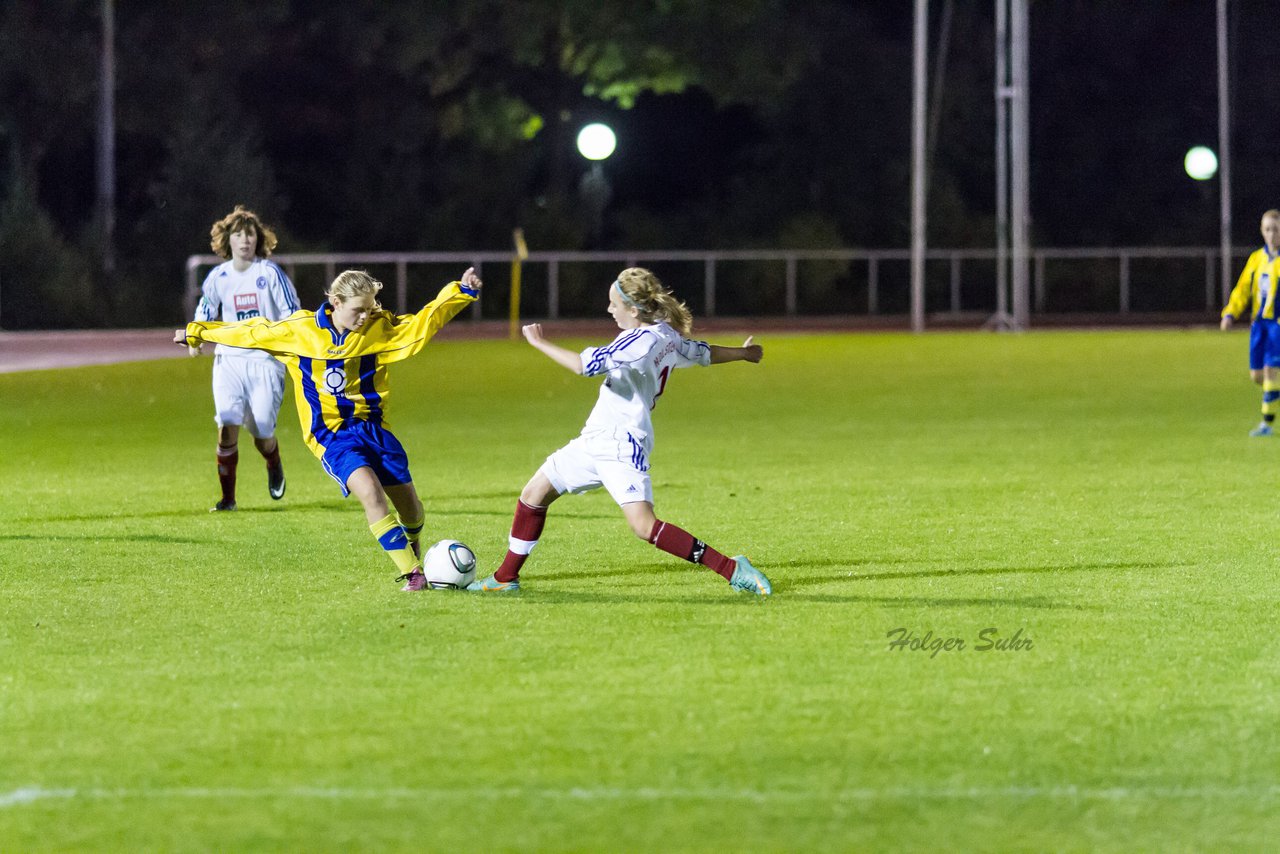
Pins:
x: 643, y: 291
x: 354, y: 283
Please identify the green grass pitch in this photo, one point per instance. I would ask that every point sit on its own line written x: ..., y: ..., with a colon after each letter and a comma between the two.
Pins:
x: 175, y: 680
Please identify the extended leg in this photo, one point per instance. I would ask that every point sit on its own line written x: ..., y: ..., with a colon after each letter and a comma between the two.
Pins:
x: 738, y: 571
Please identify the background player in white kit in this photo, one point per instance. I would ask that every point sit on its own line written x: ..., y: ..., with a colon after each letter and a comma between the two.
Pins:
x: 615, y: 444
x: 248, y: 385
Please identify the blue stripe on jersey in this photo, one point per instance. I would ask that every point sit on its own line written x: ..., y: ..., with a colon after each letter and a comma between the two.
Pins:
x: 322, y: 434
x: 290, y: 299
x: 598, y: 357
x: 325, y: 321
x: 368, y: 368
x: 346, y: 406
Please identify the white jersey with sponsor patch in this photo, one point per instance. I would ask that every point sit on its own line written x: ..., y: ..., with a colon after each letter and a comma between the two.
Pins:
x: 637, y: 365
x: 262, y: 290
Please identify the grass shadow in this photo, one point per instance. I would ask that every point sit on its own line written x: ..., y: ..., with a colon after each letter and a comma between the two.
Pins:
x: 940, y: 602
x: 788, y: 588
x: 977, y: 571
x: 95, y: 538
x: 332, y: 506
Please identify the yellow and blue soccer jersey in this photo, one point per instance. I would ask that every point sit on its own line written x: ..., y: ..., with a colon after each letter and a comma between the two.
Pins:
x: 338, y: 378
x: 1256, y: 287
x: 261, y: 290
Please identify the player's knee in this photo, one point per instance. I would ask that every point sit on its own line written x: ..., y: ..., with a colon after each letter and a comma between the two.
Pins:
x: 538, y: 493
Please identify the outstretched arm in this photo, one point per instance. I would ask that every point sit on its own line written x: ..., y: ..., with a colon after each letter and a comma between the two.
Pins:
x: 256, y: 333
x: 748, y: 352
x: 410, y: 332
x: 180, y: 337
x: 557, y: 354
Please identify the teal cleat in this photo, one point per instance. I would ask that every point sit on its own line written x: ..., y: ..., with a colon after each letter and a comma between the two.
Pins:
x: 1263, y: 429
x: 747, y: 577
x: 493, y: 585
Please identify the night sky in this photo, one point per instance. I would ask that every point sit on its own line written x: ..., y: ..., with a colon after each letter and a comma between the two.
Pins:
x: 358, y: 126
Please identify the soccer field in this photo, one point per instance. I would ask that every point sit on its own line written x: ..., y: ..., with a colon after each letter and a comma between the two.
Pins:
x: 176, y: 680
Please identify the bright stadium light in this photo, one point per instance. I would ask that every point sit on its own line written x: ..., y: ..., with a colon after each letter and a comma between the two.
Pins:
x: 596, y: 141
x: 1201, y: 163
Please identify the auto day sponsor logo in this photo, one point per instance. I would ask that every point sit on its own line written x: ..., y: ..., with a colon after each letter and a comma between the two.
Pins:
x: 988, y: 640
x: 246, y: 306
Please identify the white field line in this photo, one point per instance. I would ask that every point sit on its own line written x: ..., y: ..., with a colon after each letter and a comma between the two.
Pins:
x: 33, y: 794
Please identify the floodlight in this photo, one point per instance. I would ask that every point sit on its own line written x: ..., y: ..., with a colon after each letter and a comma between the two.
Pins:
x: 1201, y: 163
x: 596, y: 141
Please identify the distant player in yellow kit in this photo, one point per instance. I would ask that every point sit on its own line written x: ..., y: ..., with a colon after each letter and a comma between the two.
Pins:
x: 1255, y: 292
x: 338, y: 357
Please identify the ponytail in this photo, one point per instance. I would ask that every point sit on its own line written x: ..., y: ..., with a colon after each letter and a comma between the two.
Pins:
x: 654, y: 302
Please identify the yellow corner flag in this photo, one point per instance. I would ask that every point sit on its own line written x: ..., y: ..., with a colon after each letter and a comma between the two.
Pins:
x: 522, y: 252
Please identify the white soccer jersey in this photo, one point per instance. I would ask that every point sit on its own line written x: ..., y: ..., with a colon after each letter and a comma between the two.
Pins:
x: 262, y: 290
x: 638, y: 364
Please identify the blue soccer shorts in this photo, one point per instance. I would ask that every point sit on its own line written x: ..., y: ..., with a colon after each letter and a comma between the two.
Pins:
x: 1264, y: 344
x: 363, y: 444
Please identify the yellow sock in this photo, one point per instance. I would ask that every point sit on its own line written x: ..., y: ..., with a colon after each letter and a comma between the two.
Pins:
x: 1270, y: 399
x: 391, y: 537
x: 413, y: 530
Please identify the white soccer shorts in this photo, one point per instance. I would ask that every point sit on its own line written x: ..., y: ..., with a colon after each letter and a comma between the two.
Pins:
x: 247, y: 387
x: 590, y: 461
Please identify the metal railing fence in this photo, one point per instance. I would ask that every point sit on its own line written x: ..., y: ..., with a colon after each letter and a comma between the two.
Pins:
x: 1109, y: 278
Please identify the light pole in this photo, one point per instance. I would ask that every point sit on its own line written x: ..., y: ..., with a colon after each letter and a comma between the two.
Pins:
x: 1224, y: 149
x: 107, y: 137
x: 596, y: 142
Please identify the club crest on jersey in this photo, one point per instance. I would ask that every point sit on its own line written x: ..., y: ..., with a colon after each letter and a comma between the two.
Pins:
x: 261, y: 283
x: 335, y: 380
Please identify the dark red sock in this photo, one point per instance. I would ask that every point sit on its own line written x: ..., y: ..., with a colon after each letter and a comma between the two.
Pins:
x: 527, y: 526
x: 273, y: 458
x: 682, y: 544
x: 227, y: 474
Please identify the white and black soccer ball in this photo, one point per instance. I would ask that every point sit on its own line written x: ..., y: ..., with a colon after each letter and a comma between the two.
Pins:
x: 449, y: 565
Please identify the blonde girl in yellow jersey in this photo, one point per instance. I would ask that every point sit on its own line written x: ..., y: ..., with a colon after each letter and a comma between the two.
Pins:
x: 338, y: 356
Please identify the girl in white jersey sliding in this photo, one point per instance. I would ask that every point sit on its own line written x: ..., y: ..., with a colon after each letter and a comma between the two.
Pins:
x: 613, y: 449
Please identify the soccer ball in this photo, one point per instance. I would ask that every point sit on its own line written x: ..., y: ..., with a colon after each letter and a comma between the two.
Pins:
x: 449, y: 565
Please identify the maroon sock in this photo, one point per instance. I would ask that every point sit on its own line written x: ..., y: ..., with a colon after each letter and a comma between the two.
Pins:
x: 682, y: 544
x: 527, y: 528
x: 227, y: 474
x: 273, y: 458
